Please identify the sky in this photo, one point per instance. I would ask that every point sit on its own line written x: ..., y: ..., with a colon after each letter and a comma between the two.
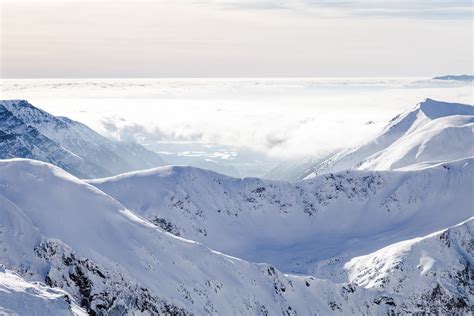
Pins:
x: 226, y: 38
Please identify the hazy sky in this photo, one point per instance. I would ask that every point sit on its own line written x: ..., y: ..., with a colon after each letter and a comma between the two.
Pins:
x: 219, y: 38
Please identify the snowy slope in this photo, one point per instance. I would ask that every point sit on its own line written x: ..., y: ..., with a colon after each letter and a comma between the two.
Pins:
x: 395, y: 236
x: 69, y: 234
x: 112, y: 157
x: 442, y: 139
x: 433, y: 131
x: 303, y: 226
x: 20, y: 297
x: 432, y: 264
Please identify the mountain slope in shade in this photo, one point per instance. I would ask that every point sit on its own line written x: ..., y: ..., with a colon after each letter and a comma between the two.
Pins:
x: 431, y: 132
x: 18, y: 139
x: 113, y: 157
x: 68, y: 234
x: 304, y: 226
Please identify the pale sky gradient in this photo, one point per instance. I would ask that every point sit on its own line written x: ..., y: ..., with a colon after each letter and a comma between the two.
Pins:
x: 219, y: 38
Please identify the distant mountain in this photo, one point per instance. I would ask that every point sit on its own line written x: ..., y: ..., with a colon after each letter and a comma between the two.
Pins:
x: 456, y: 77
x: 67, y: 143
x: 431, y: 132
x: 70, y: 235
x: 18, y: 139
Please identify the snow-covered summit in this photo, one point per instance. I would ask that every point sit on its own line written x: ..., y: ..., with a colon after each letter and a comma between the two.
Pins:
x: 439, y: 132
x: 427, y: 110
x: 431, y: 132
x: 436, y: 109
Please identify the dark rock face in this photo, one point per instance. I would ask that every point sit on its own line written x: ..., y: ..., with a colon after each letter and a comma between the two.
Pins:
x: 166, y: 225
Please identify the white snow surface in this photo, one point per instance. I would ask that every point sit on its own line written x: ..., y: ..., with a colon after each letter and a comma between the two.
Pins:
x: 71, y: 235
x: 441, y: 132
x: 414, y: 259
x: 431, y: 132
x: 299, y: 227
x: 20, y: 297
x: 394, y: 237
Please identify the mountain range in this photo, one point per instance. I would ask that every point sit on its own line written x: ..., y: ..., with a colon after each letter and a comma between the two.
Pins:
x: 384, y: 228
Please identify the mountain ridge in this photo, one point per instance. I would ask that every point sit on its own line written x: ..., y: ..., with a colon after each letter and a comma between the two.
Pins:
x: 78, y: 238
x: 397, y: 133
x: 392, y: 235
x: 211, y: 208
x: 113, y: 157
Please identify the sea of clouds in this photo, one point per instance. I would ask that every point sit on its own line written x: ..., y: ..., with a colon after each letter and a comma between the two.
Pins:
x: 278, y: 118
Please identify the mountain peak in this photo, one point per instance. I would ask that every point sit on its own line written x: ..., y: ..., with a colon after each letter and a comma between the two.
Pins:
x: 434, y: 109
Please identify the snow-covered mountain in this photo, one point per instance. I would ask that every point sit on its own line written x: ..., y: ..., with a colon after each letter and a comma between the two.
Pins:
x: 422, y: 269
x: 299, y: 226
x: 18, y: 139
x: 431, y: 132
x: 393, y: 234
x: 70, y: 235
x: 67, y: 143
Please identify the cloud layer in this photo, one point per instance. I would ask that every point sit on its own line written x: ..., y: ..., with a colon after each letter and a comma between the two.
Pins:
x: 282, y: 118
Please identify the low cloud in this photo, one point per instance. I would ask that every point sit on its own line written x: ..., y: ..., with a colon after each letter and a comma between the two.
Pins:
x: 281, y: 118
